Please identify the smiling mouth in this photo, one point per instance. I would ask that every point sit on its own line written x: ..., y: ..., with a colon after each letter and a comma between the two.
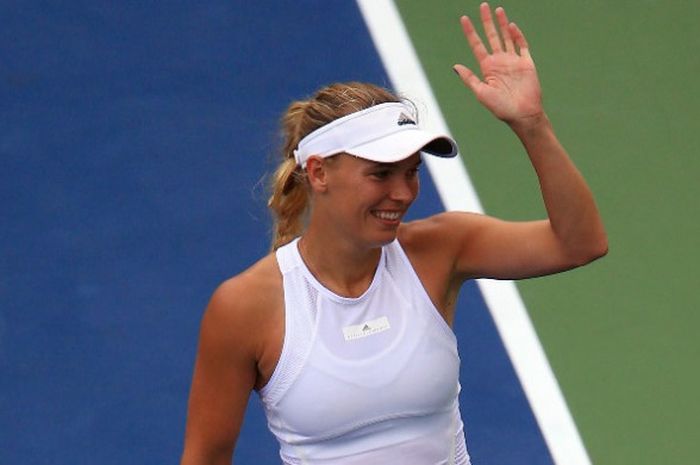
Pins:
x: 386, y: 215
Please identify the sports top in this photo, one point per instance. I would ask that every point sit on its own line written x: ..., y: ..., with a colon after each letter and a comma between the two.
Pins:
x: 366, y: 380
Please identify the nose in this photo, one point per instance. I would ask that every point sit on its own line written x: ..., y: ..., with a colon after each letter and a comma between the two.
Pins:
x: 403, y: 190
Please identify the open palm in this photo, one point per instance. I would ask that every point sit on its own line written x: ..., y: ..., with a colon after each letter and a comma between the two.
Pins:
x: 509, y: 88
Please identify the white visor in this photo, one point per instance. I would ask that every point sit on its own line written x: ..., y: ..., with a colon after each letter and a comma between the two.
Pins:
x: 384, y: 133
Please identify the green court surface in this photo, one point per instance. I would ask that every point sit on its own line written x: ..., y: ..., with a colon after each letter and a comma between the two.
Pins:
x: 620, y: 85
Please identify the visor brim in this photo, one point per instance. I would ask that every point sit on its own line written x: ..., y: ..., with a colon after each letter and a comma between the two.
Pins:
x: 400, y: 145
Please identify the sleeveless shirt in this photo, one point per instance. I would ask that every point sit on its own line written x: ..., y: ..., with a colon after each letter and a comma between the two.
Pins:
x: 366, y: 380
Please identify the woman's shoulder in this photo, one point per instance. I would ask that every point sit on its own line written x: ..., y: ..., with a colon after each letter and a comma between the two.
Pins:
x: 426, y: 244
x: 261, y: 275
x: 436, y: 231
x: 441, y: 238
x: 248, y: 296
x: 243, y: 323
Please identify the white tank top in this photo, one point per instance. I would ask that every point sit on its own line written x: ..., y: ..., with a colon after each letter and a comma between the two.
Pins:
x: 366, y: 380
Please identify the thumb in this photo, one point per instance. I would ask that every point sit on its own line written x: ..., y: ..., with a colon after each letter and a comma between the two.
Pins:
x: 468, y: 77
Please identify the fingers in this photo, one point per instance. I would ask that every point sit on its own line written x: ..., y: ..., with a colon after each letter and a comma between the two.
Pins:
x: 519, y: 39
x: 506, y: 37
x: 490, y: 28
x: 505, y: 30
x: 473, y: 38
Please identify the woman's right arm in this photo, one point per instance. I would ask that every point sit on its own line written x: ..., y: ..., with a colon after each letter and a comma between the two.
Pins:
x: 224, y: 376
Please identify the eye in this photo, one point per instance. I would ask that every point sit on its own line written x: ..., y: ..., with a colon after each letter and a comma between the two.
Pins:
x: 412, y: 173
x: 381, y: 174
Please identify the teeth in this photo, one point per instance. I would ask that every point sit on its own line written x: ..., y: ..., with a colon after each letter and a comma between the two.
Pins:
x: 387, y: 215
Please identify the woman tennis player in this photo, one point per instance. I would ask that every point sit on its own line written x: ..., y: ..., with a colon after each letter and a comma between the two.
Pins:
x: 344, y: 329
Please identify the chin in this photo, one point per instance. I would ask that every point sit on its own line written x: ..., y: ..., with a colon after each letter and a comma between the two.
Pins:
x: 380, y: 240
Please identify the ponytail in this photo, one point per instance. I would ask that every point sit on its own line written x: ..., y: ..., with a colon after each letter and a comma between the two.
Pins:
x: 290, y: 196
x: 288, y: 202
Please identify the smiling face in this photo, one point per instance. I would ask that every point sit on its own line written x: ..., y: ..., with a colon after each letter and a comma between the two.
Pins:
x: 363, y: 201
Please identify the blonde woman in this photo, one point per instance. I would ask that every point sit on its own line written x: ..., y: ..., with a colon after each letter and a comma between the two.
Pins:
x: 344, y: 330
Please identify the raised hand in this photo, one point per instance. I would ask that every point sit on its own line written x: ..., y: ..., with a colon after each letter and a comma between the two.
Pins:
x: 509, y: 86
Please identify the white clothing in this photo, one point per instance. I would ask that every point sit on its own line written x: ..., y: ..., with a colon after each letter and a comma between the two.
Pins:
x: 366, y: 380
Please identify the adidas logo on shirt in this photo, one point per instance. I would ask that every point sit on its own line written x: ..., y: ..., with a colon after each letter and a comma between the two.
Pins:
x: 368, y: 328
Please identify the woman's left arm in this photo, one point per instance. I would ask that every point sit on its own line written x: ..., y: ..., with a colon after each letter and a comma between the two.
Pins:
x: 573, y: 234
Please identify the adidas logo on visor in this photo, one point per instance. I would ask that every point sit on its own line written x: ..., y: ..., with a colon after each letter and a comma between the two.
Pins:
x: 405, y: 119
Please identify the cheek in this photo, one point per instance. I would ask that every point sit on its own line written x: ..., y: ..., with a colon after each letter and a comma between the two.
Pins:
x: 414, y: 186
x: 354, y: 196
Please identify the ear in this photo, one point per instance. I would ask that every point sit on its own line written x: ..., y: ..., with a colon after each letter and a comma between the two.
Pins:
x: 317, y: 173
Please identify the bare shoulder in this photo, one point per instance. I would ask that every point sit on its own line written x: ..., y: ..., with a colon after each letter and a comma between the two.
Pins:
x: 233, y: 341
x: 437, y: 245
x: 250, y: 288
x: 432, y: 246
x: 241, y: 304
x: 442, y: 232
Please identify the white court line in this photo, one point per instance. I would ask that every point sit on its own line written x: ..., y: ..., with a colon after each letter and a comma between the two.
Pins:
x: 457, y: 193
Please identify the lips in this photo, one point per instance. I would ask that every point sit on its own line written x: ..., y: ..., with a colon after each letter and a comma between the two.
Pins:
x: 387, y: 215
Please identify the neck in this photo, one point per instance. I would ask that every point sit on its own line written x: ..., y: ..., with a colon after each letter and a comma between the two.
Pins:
x: 345, y: 268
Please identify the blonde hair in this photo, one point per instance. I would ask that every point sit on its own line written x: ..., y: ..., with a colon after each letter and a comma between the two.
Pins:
x: 289, y: 200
